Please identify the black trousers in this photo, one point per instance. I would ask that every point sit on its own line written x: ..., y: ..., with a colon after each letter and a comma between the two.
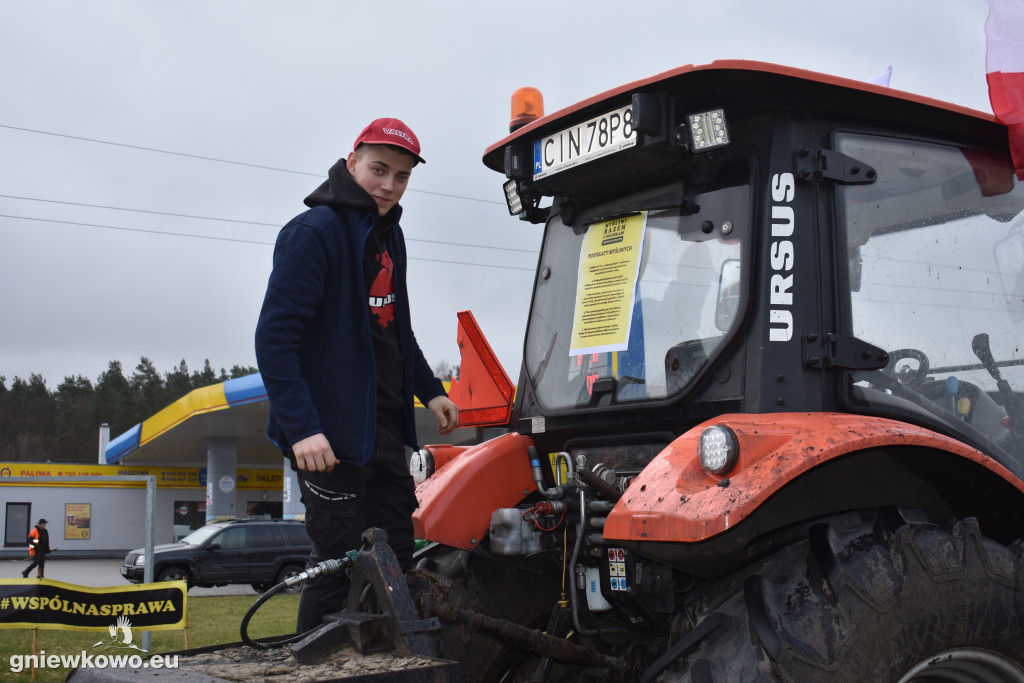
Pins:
x: 343, y: 503
x: 39, y: 559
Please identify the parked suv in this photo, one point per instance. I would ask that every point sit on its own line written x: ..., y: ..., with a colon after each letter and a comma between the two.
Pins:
x: 258, y: 552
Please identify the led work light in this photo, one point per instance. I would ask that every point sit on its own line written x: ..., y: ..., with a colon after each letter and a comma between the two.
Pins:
x: 512, y: 198
x: 708, y: 130
x: 718, y: 449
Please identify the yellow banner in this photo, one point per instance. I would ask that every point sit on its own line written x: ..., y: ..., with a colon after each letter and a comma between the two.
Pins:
x: 118, y: 610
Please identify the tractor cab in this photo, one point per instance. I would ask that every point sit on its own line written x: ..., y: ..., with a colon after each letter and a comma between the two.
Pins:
x: 769, y: 422
x: 749, y: 238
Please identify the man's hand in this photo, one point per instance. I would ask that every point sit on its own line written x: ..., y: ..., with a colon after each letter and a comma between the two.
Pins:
x: 446, y: 412
x: 314, y: 454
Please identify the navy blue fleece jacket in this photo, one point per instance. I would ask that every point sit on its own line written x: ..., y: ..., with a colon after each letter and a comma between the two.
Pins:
x: 313, y: 342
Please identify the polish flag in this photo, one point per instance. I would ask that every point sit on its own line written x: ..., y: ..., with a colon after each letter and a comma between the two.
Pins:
x: 1004, y: 64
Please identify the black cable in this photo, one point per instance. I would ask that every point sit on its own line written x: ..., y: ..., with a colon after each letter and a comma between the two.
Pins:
x: 268, y: 244
x: 152, y: 232
x: 244, y: 629
x: 120, y: 208
x: 226, y: 161
x: 234, y: 220
x: 160, y: 151
x: 325, y: 568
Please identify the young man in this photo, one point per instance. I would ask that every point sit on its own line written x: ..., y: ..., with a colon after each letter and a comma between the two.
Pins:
x: 339, y: 360
x: 38, y: 548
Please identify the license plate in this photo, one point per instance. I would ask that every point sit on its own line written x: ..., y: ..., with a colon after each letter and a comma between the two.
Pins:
x: 600, y: 136
x: 124, y: 571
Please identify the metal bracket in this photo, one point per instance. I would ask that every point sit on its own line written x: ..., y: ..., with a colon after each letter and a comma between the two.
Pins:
x: 846, y: 351
x: 826, y: 164
x: 394, y: 623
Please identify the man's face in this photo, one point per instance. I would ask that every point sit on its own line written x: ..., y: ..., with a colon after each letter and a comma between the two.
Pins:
x: 381, y: 171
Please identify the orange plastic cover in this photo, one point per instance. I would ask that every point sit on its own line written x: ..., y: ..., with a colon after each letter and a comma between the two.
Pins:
x: 527, y: 106
x: 456, y: 503
x: 675, y: 499
x: 483, y: 392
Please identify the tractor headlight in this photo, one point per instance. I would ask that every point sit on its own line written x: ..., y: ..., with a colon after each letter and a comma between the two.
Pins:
x: 718, y: 449
x: 421, y: 465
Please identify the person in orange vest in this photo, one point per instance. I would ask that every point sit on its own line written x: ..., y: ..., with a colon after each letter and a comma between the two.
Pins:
x: 38, y: 548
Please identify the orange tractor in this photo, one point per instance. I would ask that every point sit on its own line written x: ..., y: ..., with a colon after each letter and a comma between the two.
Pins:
x: 770, y: 418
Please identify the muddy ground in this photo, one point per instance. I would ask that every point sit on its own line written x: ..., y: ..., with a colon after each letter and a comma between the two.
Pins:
x: 275, y: 665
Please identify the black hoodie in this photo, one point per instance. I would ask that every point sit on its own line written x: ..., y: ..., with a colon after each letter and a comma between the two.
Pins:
x: 339, y: 191
x: 313, y: 340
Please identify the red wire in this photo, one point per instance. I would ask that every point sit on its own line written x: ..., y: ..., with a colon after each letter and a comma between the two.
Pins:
x: 537, y: 524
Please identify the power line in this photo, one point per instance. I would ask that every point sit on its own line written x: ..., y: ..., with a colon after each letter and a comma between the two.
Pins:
x: 161, y: 151
x: 151, y: 232
x: 235, y: 220
x: 267, y: 244
x: 225, y: 161
x: 120, y: 208
x: 467, y: 263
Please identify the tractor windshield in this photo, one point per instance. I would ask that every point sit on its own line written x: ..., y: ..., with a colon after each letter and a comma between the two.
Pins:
x: 935, y: 249
x: 636, y: 294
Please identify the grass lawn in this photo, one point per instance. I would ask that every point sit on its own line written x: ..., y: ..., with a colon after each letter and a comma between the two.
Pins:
x: 211, y: 621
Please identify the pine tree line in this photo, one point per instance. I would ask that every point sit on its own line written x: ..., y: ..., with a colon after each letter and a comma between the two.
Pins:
x: 38, y: 425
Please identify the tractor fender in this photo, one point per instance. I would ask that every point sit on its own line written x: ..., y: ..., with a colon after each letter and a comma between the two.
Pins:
x: 455, y: 504
x: 675, y: 499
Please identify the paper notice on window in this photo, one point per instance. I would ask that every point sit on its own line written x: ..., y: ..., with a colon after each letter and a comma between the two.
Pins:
x: 606, y: 285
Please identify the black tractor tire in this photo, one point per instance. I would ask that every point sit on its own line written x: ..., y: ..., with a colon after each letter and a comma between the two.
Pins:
x: 495, y: 589
x: 862, y: 599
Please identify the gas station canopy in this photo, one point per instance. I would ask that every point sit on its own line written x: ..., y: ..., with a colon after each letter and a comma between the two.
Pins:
x: 178, y: 433
x: 237, y: 408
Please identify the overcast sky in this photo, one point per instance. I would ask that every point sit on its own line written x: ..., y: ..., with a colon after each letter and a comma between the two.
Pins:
x: 91, y: 88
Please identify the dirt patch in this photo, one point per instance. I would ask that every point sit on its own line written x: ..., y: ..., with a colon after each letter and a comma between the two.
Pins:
x: 271, y: 666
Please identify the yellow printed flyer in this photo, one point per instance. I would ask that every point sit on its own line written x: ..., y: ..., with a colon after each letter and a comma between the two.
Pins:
x: 609, y: 265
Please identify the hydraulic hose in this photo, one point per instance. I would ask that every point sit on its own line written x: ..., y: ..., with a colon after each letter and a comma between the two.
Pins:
x: 600, y: 486
x: 325, y: 568
x: 528, y: 639
x: 577, y: 547
x: 555, y: 491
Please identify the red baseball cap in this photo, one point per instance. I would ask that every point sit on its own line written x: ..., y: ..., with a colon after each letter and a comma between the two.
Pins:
x: 390, y: 132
